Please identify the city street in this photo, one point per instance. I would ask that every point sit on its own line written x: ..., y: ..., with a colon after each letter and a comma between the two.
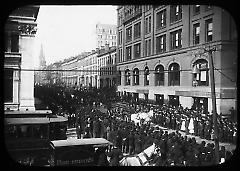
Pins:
x: 71, y: 133
x: 87, y: 84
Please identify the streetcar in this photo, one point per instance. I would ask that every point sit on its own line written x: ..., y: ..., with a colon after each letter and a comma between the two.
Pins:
x: 57, y: 127
x: 76, y: 152
x: 28, y: 135
x: 27, y: 140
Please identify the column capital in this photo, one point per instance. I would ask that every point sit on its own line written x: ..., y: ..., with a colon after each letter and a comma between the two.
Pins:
x: 27, y: 29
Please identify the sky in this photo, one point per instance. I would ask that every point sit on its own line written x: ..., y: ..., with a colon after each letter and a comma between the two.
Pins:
x: 67, y: 30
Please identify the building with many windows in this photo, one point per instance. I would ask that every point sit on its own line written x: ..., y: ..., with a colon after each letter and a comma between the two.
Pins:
x: 107, y: 67
x: 106, y: 34
x: 20, y: 30
x: 162, y: 55
x: 71, y: 70
x: 90, y: 69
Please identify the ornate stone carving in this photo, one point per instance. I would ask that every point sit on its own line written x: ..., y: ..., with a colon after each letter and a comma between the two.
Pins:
x: 27, y: 29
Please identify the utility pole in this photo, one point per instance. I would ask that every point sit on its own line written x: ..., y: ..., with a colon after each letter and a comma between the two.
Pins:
x: 213, y: 94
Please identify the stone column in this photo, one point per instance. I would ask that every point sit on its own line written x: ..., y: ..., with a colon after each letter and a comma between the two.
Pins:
x: 26, y: 43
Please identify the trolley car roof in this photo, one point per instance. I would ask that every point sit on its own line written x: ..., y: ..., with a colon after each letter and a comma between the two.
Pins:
x: 58, y: 119
x: 21, y: 121
x: 77, y: 142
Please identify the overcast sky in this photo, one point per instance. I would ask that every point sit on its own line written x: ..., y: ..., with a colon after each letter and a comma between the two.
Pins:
x: 67, y: 31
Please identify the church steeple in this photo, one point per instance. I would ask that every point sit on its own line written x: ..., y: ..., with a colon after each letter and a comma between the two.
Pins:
x: 42, y: 61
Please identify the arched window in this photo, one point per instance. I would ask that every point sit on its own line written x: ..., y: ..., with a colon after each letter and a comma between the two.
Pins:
x: 159, y: 75
x: 173, y: 75
x: 136, y: 76
x: 146, y: 76
x: 127, y: 77
x: 200, y: 73
x: 119, y: 77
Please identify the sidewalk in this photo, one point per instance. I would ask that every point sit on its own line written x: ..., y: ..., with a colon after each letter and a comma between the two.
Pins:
x: 228, y: 146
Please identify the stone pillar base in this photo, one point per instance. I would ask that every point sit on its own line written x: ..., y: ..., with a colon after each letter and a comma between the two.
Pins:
x: 27, y: 108
x: 27, y: 104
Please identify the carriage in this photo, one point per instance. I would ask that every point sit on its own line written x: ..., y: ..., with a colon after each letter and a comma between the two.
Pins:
x: 76, y: 152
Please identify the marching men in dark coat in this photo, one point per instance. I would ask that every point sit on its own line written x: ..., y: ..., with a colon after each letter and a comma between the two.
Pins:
x: 115, y: 156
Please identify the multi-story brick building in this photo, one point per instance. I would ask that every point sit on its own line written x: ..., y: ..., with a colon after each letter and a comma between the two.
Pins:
x: 106, y: 34
x: 160, y: 55
x: 107, y: 67
x: 20, y: 30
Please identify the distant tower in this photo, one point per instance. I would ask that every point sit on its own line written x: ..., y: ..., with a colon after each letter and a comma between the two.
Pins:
x: 39, y: 76
x: 42, y: 61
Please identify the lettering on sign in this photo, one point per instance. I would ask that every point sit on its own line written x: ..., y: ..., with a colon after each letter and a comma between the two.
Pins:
x: 70, y: 162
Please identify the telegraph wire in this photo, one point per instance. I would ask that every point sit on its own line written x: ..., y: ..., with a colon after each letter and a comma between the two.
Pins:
x: 116, y: 71
x: 103, y: 70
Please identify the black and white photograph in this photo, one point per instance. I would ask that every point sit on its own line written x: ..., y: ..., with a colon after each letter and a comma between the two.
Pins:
x: 120, y: 85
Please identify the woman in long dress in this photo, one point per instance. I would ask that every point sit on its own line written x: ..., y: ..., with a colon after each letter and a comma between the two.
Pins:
x: 183, y: 124
x: 191, y: 126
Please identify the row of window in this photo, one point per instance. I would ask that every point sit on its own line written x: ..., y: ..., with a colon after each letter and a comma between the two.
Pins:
x: 107, y: 71
x: 200, y: 78
x: 175, y: 15
x: 175, y: 41
x: 104, y: 30
x: 175, y: 38
x: 137, y: 51
x: 108, y: 60
x: 107, y: 37
x: 101, y: 43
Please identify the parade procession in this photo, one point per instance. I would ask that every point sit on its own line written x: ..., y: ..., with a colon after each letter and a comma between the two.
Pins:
x: 158, y: 89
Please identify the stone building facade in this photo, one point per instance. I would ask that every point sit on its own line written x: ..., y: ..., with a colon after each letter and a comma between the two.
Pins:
x: 161, y: 56
x: 20, y: 30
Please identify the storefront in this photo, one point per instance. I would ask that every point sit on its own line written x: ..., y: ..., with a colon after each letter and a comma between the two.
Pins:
x: 159, y: 99
x: 173, y: 100
x: 200, y: 103
x: 135, y: 97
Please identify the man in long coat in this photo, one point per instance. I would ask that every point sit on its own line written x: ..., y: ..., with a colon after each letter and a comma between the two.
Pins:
x: 115, y: 156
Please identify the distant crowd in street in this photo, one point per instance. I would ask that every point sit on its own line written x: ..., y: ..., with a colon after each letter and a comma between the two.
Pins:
x: 83, y: 110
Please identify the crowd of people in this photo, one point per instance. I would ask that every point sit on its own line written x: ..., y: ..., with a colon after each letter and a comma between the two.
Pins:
x: 116, y: 126
x: 131, y: 138
x: 195, y: 122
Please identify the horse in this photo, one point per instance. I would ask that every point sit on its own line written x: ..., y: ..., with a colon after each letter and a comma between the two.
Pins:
x: 142, y: 159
